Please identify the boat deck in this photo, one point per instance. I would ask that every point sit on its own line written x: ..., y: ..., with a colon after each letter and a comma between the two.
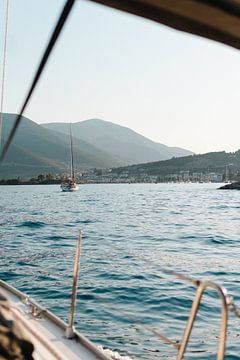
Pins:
x: 46, y: 331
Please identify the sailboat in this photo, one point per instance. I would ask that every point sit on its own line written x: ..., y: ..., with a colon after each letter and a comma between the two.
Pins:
x: 70, y: 184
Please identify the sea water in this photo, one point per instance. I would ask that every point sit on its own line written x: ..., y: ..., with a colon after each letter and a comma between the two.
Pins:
x: 132, y: 233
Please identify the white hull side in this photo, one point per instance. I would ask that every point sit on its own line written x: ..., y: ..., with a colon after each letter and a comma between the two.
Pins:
x: 69, y: 187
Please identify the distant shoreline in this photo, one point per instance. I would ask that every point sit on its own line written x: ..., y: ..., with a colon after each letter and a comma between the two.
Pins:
x: 16, y: 182
x: 110, y: 183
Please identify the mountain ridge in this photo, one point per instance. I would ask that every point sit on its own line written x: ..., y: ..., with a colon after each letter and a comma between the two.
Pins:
x: 36, y: 148
x: 33, y: 141
x: 120, y: 141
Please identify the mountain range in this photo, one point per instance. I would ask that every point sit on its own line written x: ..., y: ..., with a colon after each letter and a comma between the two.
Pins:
x: 121, y: 142
x: 97, y: 144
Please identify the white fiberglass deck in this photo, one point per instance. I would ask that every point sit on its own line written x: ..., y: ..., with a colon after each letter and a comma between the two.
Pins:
x: 46, y: 331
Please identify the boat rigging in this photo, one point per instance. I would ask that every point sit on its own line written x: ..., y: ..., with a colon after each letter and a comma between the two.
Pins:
x: 3, y: 71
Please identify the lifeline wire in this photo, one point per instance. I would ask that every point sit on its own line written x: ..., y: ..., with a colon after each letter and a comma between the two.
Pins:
x: 58, y: 28
x: 3, y: 71
x: 176, y: 344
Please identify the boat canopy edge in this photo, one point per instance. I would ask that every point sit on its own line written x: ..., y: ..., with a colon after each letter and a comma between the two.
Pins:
x: 217, y: 20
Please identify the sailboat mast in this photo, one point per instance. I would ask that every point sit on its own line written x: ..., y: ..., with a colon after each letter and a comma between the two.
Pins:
x: 3, y: 71
x: 71, y: 152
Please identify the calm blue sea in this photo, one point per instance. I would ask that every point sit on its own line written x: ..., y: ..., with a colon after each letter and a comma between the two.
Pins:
x: 131, y: 233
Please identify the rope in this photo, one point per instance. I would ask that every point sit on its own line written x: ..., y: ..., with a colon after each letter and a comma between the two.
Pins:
x: 55, y: 35
x: 3, y: 71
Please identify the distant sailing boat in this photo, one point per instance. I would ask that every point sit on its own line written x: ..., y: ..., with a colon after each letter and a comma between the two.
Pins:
x: 70, y: 184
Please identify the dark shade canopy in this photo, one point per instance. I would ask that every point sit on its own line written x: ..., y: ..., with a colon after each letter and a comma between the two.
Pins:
x: 214, y: 19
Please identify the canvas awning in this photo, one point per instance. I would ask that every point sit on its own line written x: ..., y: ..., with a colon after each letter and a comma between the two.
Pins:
x: 214, y: 19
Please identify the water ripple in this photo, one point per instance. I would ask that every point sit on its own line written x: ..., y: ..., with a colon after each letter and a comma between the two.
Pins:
x: 32, y: 224
x: 130, y: 234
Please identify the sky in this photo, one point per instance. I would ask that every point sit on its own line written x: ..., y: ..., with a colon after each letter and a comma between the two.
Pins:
x: 174, y: 88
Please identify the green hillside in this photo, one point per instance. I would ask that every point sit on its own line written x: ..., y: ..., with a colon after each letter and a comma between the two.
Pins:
x: 120, y: 141
x: 210, y: 162
x: 36, y: 149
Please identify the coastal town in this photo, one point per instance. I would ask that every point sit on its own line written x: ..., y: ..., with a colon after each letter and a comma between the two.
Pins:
x: 112, y: 176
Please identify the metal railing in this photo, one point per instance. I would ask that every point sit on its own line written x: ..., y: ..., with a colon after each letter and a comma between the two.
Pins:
x: 227, y: 304
x: 202, y: 286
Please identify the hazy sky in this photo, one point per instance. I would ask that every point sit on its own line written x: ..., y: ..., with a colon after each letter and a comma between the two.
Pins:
x: 175, y: 88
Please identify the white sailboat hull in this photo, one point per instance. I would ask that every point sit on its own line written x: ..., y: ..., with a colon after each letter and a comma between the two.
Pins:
x: 66, y: 187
